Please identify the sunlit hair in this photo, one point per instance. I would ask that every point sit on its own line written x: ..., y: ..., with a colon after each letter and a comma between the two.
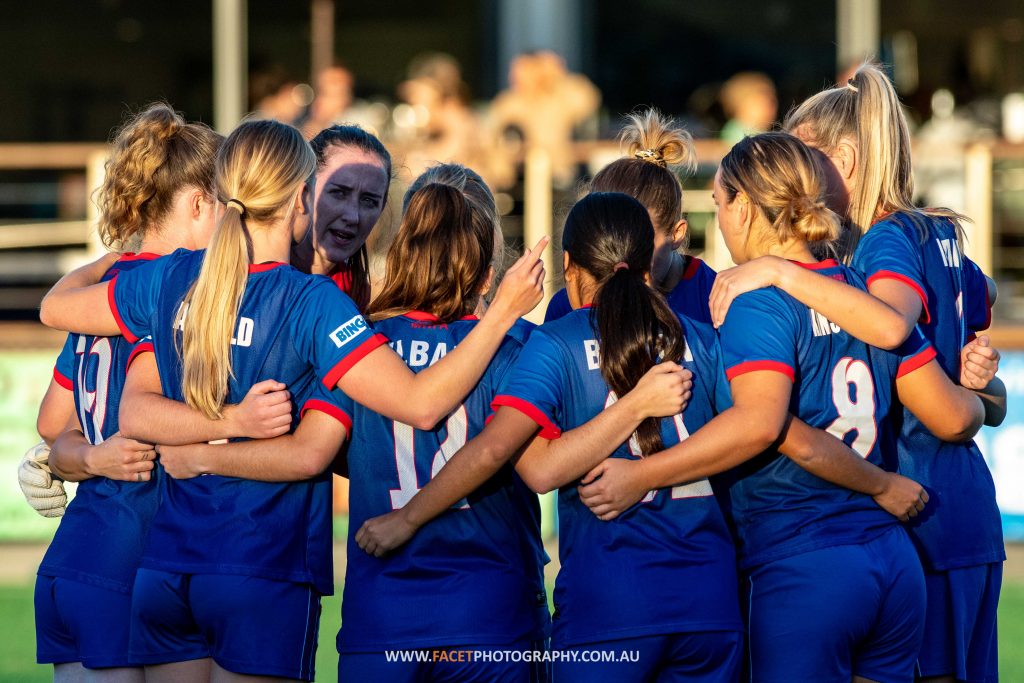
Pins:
x: 867, y: 112
x: 262, y: 165
x: 153, y: 156
x: 785, y: 183
x: 357, y: 138
x: 609, y: 235
x: 445, y: 246
x: 657, y: 152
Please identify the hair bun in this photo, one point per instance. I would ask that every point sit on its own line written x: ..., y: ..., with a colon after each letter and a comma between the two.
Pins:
x: 653, y: 137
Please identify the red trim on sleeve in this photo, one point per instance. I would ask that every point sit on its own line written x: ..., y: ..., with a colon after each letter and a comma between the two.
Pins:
x: 349, y: 361
x: 125, y: 332
x: 147, y: 347
x: 328, y: 409
x: 548, y: 429
x: 926, y: 316
x: 691, y: 268
x: 756, y: 365
x: 971, y: 337
x: 919, y: 359
x: 62, y: 380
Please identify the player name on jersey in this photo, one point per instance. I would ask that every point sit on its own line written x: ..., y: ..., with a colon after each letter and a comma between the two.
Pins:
x: 243, y: 333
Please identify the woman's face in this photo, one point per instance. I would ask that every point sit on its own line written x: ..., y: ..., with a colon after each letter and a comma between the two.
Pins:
x: 351, y: 189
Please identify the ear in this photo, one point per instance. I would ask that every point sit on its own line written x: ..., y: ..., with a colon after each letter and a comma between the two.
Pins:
x: 845, y: 158
x: 568, y: 268
x: 745, y: 209
x: 486, y: 287
x: 302, y: 199
x: 678, y: 233
x: 196, y: 199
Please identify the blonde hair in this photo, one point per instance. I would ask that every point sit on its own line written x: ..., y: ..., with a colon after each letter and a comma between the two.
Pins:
x: 658, y: 150
x: 867, y: 111
x: 258, y: 172
x: 153, y: 156
x: 780, y: 176
x: 447, y: 242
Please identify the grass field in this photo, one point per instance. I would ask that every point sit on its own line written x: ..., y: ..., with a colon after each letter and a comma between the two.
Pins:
x: 17, y: 635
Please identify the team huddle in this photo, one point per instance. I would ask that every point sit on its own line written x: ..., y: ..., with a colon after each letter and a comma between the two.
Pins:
x: 766, y: 473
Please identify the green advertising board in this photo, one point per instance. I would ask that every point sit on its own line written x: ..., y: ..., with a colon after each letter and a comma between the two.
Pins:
x: 24, y: 376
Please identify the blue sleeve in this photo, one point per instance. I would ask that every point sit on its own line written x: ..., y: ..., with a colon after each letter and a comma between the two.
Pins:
x: 133, y: 294
x: 977, y: 307
x: 64, y: 368
x: 558, y: 307
x: 722, y: 393
x: 500, y: 369
x: 760, y: 333
x: 887, y: 252
x: 333, y: 402
x: 914, y: 353
x: 331, y: 334
x: 536, y: 386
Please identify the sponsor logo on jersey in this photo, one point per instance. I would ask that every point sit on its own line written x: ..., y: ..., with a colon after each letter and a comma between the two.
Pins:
x: 348, y: 331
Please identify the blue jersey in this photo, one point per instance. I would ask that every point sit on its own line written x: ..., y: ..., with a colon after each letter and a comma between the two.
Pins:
x: 689, y: 297
x: 482, y: 558
x: 961, y: 525
x: 666, y: 565
x: 295, y: 328
x: 840, y: 385
x: 100, y: 537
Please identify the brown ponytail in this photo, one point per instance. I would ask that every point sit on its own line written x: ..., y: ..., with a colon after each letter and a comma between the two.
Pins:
x: 445, y: 245
x: 610, y: 236
x: 154, y: 155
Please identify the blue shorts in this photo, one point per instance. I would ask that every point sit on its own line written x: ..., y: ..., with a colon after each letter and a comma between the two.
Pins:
x: 960, y: 626
x: 700, y: 657
x: 463, y: 664
x: 80, y: 622
x: 829, y: 614
x: 246, y: 624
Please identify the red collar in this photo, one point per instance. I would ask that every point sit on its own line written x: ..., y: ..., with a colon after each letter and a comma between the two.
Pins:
x: 691, y: 268
x: 430, y: 317
x: 263, y: 267
x: 820, y: 265
x: 132, y: 256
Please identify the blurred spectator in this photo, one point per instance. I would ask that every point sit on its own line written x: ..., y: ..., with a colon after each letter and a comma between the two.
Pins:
x: 273, y: 94
x: 438, y: 119
x: 749, y: 100
x: 544, y: 103
x: 331, y: 101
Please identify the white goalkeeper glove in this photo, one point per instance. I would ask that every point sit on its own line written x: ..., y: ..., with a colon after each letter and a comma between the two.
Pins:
x: 43, y: 491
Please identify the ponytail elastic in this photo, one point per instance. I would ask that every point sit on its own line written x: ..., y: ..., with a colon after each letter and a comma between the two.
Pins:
x: 619, y: 266
x: 238, y: 205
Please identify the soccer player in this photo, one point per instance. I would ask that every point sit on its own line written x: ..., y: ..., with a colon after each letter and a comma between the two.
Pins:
x: 234, y: 569
x: 825, y: 566
x: 353, y: 174
x: 157, y: 192
x: 916, y: 272
x: 658, y: 151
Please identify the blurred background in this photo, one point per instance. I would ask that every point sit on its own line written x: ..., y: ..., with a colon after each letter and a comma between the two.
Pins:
x: 531, y: 94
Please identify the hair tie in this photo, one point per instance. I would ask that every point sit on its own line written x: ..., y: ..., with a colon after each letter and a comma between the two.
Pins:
x: 619, y: 266
x: 851, y: 86
x: 239, y: 205
x: 651, y: 155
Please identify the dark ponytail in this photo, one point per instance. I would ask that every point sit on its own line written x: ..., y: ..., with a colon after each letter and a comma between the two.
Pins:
x: 610, y: 236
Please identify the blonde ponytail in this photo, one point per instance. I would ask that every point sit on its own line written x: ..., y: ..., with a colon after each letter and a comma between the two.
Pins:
x: 260, y: 168
x: 866, y: 111
x: 153, y: 156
